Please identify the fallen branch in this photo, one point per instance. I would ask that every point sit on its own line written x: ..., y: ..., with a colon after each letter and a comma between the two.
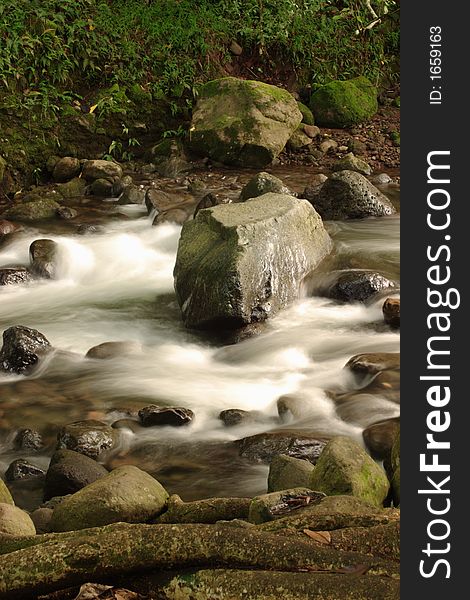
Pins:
x: 56, y: 561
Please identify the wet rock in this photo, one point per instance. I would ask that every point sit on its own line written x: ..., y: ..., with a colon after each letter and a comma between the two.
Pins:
x: 210, y: 200
x: 236, y: 416
x: 37, y: 210
x: 113, y: 349
x: 44, y: 258
x: 72, y: 189
x: 263, y: 447
x: 240, y: 263
x: 357, y: 286
x: 243, y: 123
x: 126, y: 495
x: 15, y: 522
x: 172, y: 215
x: 268, y: 507
x: 103, y: 188
x: 65, y: 169
x: 344, y: 467
x: 28, y: 439
x: 101, y: 169
x: 22, y: 348
x: 157, y: 200
x: 156, y: 415
x: 69, y: 472
x: 298, y: 140
x: 132, y: 194
x: 385, y: 384
x: 66, y: 213
x: 344, y: 103
x: 15, y: 276
x: 286, y: 472
x: 5, y: 496
x: 87, y: 228
x: 263, y: 183
x: 7, y: 228
x: 22, y: 469
x: 41, y: 518
x: 352, y: 163
x: 90, y: 437
x: 349, y: 195
x: 374, y: 362
x: 380, y: 436
x: 391, y: 312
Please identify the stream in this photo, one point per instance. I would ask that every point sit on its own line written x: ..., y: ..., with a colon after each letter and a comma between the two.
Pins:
x: 117, y: 284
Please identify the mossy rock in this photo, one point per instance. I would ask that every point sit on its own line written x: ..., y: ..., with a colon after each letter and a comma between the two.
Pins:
x: 263, y: 183
x: 15, y: 522
x: 262, y: 508
x: 127, y: 495
x: 344, y: 103
x: 307, y: 115
x: 34, y: 210
x: 344, y: 467
x: 242, y: 123
x: 5, y: 496
x: 72, y: 189
x: 288, y: 472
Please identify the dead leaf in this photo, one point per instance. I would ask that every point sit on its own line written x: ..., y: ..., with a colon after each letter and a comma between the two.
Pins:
x: 92, y: 591
x: 322, y: 537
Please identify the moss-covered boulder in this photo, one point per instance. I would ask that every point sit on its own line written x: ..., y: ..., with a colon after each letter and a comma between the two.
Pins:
x: 243, y: 123
x: 307, y: 115
x: 263, y: 183
x: 36, y: 210
x: 241, y: 263
x: 298, y: 140
x: 5, y: 496
x: 344, y: 103
x: 73, y: 188
x: 102, y: 169
x: 127, y: 495
x: 350, y: 162
x: 344, y: 467
x: 288, y: 472
x: 15, y: 522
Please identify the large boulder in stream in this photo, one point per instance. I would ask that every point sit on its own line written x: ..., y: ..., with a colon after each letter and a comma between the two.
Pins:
x: 243, y: 123
x: 22, y: 349
x: 43, y: 255
x: 349, y: 195
x: 127, y: 495
x: 241, y: 263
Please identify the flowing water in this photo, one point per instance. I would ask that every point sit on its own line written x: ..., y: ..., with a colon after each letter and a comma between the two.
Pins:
x: 117, y: 285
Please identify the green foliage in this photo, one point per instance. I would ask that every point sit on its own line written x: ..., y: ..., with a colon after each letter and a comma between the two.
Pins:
x: 53, y: 51
x: 122, y: 150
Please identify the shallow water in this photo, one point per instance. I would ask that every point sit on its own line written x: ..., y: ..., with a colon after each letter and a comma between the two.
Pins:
x: 118, y: 285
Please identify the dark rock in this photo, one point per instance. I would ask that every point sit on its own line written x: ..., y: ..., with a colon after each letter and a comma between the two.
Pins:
x: 87, y: 228
x: 349, y: 195
x: 380, y: 436
x: 210, y: 200
x: 357, y: 286
x: 41, y: 518
x: 66, y: 213
x: 22, y: 469
x: 14, y: 276
x: 102, y: 188
x: 22, y: 349
x: 236, y: 416
x: 156, y: 415
x: 263, y: 183
x: 28, y: 439
x: 35, y: 210
x: 391, y: 312
x: 43, y: 256
x: 264, y: 446
x: 173, y: 215
x: 69, y: 472
x: 75, y: 188
x: 132, y: 194
x: 113, y: 349
x: 374, y: 362
x: 65, y: 169
x: 90, y: 437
